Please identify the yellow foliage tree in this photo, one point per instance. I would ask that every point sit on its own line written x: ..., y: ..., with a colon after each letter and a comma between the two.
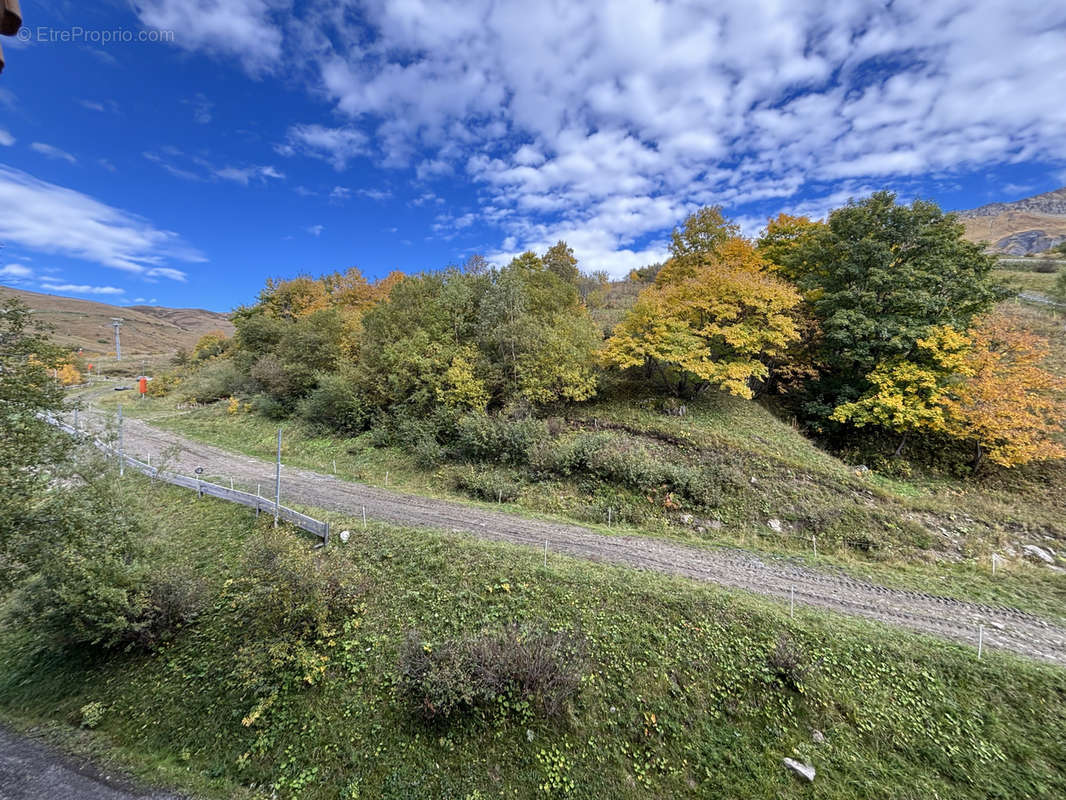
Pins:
x: 69, y: 375
x: 710, y: 321
x: 462, y: 388
x: 911, y: 395
x: 1009, y: 407
x: 781, y: 244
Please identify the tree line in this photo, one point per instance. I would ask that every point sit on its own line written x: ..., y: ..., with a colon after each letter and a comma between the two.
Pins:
x: 879, y: 318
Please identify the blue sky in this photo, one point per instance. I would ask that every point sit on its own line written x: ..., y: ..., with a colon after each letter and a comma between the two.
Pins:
x: 257, y: 138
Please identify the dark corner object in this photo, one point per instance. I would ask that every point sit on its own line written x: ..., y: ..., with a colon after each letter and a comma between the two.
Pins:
x: 10, y: 22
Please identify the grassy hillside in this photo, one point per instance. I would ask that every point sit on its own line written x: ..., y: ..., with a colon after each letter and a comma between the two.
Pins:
x: 995, y: 227
x: 146, y: 330
x: 683, y: 690
x: 727, y: 473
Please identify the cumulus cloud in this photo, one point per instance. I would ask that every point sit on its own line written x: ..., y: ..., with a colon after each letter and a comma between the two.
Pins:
x: 17, y: 272
x: 49, y: 218
x: 605, y: 123
x: 246, y: 29
x: 6, y: 139
x: 315, y: 230
x: 334, y: 145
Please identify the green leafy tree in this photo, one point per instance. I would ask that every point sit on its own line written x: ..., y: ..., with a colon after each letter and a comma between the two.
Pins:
x: 561, y: 262
x: 28, y: 445
x: 877, y: 276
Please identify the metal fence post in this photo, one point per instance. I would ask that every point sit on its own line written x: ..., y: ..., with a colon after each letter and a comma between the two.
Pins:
x: 121, y: 449
x: 277, y: 482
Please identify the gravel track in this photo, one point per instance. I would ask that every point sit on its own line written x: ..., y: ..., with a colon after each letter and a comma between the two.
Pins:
x: 1004, y: 628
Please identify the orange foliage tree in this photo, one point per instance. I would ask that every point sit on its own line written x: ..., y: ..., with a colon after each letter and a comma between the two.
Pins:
x: 1008, y: 406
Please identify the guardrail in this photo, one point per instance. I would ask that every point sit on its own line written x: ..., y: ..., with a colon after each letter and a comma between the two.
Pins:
x: 201, y: 487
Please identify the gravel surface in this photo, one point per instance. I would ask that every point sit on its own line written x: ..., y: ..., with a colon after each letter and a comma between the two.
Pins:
x: 30, y: 770
x: 1004, y: 628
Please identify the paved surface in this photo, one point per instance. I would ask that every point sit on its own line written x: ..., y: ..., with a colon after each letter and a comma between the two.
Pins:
x: 30, y: 770
x: 1004, y: 628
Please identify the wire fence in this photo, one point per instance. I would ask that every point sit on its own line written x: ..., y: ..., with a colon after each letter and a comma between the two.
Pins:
x: 319, y: 528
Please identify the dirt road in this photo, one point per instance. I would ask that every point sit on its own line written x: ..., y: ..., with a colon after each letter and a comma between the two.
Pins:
x: 30, y: 770
x: 1004, y: 628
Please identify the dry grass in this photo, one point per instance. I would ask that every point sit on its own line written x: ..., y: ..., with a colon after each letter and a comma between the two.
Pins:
x: 146, y: 330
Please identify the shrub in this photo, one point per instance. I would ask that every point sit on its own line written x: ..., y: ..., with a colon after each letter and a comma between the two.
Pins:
x: 215, y: 380
x: 787, y: 662
x: 335, y: 403
x: 92, y: 714
x: 288, y: 600
x: 479, y: 437
x: 459, y: 677
x: 493, y: 485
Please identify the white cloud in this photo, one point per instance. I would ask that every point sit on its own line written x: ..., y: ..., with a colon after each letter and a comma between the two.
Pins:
x: 378, y: 195
x: 335, y: 145
x: 246, y: 175
x: 605, y: 123
x: 202, y: 108
x: 81, y: 288
x: 92, y: 105
x: 53, y: 152
x: 6, y: 139
x: 339, y: 194
x: 16, y: 271
x: 247, y: 29
x: 48, y: 218
x: 315, y: 230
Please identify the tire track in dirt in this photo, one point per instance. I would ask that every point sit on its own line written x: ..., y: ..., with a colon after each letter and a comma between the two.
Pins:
x: 1004, y: 628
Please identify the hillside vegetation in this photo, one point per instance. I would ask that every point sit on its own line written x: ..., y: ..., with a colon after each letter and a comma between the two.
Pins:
x: 146, y: 330
x: 350, y: 673
x: 632, y: 401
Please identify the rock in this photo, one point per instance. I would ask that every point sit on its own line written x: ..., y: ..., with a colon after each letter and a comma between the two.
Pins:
x: 775, y: 525
x: 817, y: 737
x: 714, y: 524
x: 1034, y: 552
x: 803, y: 770
x: 687, y: 519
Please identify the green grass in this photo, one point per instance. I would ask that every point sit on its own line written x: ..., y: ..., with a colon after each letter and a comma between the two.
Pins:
x: 1028, y: 281
x: 677, y: 698
x: 931, y: 533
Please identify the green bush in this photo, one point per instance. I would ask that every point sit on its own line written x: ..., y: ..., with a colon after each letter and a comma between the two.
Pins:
x: 523, y: 668
x: 288, y: 600
x: 96, y: 587
x: 479, y: 437
x: 493, y: 485
x: 335, y: 403
x: 214, y: 381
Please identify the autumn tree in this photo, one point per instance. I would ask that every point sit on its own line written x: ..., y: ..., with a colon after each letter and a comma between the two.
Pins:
x: 877, y: 276
x: 910, y: 395
x: 559, y: 260
x: 1008, y: 407
x: 702, y: 233
x: 786, y: 244
x: 711, y: 321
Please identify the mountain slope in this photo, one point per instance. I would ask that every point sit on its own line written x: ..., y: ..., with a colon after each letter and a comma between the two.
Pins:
x: 146, y: 330
x: 1024, y: 227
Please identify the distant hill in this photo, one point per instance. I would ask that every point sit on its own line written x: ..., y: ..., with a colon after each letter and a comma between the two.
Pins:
x: 1024, y: 227
x: 146, y: 330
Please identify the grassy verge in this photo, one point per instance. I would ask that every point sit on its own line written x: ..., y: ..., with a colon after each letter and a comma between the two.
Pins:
x: 682, y: 694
